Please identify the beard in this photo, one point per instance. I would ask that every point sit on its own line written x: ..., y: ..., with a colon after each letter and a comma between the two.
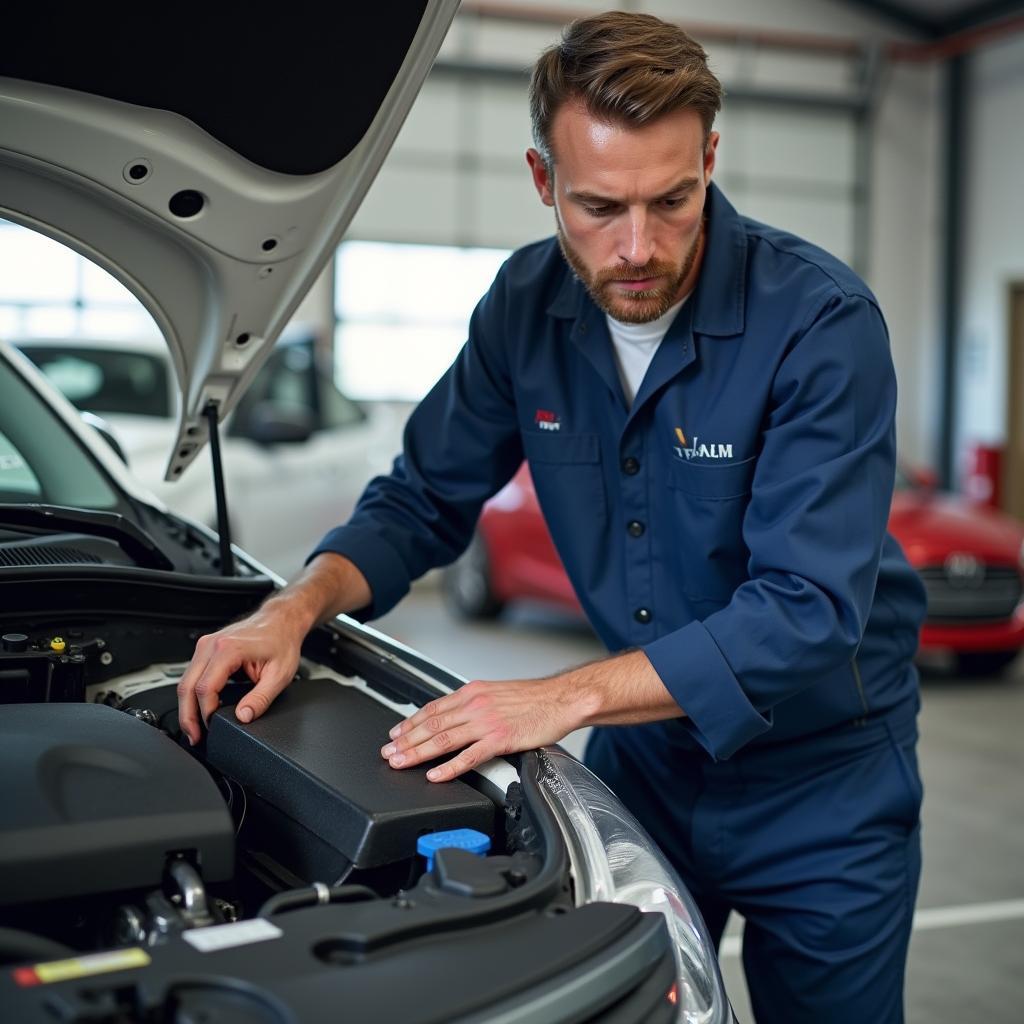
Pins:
x: 631, y: 307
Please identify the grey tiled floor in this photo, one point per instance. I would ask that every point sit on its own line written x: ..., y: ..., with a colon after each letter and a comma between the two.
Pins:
x: 972, y: 760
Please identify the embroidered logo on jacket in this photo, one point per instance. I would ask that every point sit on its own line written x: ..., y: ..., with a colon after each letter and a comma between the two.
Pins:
x: 546, y: 420
x: 698, y: 450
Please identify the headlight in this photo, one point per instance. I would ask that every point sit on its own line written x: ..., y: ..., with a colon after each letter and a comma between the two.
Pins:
x: 614, y: 860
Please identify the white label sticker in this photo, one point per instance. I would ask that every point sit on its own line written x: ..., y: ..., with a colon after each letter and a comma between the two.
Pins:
x: 224, y: 936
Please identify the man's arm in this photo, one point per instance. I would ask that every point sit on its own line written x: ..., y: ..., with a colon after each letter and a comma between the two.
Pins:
x: 487, y: 719
x: 461, y: 445
x: 267, y: 644
x: 814, y: 526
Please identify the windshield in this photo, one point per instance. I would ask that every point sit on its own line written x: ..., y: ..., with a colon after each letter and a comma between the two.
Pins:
x: 104, y: 380
x: 40, y: 459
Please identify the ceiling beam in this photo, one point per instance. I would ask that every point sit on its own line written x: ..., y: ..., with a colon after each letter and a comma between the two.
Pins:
x: 519, y: 75
x: 934, y: 27
x: 559, y: 17
x: 981, y: 14
x: 929, y: 27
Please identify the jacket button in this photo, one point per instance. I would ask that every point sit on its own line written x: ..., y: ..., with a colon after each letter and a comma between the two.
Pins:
x: 642, y: 615
x: 630, y: 466
x: 635, y: 528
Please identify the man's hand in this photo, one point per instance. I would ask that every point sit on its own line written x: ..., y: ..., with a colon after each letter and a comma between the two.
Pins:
x: 485, y: 718
x: 488, y: 719
x: 268, y: 644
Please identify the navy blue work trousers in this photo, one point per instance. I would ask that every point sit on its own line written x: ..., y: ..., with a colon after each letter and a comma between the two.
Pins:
x: 815, y: 842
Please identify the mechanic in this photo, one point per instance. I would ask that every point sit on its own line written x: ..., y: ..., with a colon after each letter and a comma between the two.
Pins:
x: 707, y: 407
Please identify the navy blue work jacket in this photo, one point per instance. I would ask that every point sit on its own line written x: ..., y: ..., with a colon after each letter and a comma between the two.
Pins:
x: 758, y: 455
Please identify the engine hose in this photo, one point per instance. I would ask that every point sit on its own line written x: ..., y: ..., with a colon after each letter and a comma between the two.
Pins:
x: 16, y: 946
x: 316, y: 893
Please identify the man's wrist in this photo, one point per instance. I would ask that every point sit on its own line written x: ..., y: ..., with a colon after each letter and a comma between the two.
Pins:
x: 620, y: 690
x: 585, y: 697
x: 293, y: 610
x: 330, y: 584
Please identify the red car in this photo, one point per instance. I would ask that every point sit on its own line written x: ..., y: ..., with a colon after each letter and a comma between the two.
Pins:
x: 970, y: 560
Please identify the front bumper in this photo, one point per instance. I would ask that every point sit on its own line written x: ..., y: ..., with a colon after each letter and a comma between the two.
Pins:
x: 974, y: 636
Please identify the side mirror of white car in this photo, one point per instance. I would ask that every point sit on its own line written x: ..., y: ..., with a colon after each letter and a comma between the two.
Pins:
x: 269, y: 424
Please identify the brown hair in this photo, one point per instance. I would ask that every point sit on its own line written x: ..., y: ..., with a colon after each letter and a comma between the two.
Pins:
x: 624, y: 67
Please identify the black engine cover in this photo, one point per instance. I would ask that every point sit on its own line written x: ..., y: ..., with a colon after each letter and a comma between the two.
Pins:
x: 95, y: 800
x: 314, y: 759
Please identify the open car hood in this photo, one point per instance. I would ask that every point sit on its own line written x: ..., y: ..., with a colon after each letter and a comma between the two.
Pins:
x: 212, y: 165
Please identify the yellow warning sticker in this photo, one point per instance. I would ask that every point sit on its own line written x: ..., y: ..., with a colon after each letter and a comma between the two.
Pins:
x: 95, y: 963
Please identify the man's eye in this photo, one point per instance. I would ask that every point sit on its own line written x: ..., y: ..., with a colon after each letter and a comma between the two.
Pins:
x: 600, y: 211
x: 674, y: 202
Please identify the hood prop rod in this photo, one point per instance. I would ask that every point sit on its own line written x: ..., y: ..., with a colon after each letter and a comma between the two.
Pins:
x: 227, y: 561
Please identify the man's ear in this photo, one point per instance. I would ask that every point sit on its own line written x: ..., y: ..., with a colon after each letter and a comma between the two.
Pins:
x: 543, y: 179
x: 710, y: 151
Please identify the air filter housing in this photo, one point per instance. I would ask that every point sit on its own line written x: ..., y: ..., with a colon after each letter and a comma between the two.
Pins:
x: 313, y: 764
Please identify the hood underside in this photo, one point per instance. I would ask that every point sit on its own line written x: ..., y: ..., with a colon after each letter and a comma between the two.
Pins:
x: 210, y: 164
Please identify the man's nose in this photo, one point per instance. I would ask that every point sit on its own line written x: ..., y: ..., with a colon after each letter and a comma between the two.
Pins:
x: 637, y: 245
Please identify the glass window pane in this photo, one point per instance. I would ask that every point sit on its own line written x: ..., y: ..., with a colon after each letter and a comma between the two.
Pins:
x: 48, y: 290
x: 105, y: 380
x: 34, y: 268
x: 336, y: 411
x: 11, y: 322
x: 50, y: 321
x: 403, y: 313
x: 288, y: 391
x: 64, y: 471
x: 100, y: 286
x: 394, y: 361
x: 99, y: 322
x: 412, y: 283
x: 17, y: 481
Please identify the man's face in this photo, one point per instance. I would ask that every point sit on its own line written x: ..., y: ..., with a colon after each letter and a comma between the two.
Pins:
x: 628, y: 205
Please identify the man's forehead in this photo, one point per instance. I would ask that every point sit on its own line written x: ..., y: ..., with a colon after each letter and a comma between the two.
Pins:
x: 594, y: 154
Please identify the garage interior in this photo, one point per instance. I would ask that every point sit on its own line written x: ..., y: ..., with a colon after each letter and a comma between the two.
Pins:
x: 891, y: 133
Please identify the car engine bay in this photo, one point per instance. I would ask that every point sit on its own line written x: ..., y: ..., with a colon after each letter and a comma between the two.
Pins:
x: 109, y: 798
x: 124, y: 849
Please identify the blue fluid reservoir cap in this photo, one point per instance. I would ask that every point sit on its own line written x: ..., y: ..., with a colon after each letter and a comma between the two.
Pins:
x: 463, y: 838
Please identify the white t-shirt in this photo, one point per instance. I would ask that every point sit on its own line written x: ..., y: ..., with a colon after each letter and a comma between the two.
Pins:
x: 635, y: 345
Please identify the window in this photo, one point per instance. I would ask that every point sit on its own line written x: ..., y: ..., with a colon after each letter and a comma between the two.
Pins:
x: 48, y: 290
x: 17, y: 481
x: 288, y: 381
x: 106, y: 380
x: 290, y: 385
x: 403, y: 312
x: 282, y: 390
x: 40, y: 458
x: 336, y: 411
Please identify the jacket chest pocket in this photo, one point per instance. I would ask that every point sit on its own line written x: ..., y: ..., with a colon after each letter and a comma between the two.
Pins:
x: 710, y: 502
x: 567, y: 474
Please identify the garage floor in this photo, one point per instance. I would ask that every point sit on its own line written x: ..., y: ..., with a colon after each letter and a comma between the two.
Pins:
x: 967, y: 952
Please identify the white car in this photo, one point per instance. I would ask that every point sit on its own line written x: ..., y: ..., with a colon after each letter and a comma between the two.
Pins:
x: 296, y: 450
x: 279, y: 872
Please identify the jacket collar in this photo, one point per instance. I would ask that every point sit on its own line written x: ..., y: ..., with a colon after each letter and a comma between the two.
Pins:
x: 719, y: 299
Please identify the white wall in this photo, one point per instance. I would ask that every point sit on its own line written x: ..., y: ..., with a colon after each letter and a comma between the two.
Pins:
x: 994, y: 235
x: 457, y: 173
x: 906, y: 246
